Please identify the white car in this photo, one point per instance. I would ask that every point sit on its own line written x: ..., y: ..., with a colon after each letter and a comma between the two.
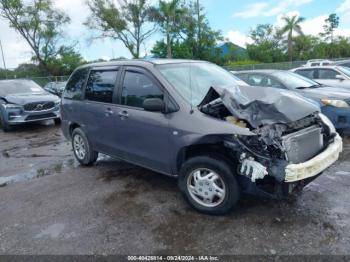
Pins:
x: 335, y: 76
x: 318, y: 62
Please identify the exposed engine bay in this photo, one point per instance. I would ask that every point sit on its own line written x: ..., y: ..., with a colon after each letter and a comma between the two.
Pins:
x: 283, y: 136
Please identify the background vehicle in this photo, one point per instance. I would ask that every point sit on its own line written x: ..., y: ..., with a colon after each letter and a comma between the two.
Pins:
x: 318, y: 62
x: 334, y: 102
x: 188, y: 119
x: 345, y: 63
x: 336, y: 76
x: 55, y: 88
x: 23, y: 101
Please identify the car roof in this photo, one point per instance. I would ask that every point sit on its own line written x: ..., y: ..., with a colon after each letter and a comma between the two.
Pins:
x: 142, y: 62
x: 317, y: 67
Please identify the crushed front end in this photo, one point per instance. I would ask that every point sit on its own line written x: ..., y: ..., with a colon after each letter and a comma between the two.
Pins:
x: 284, y: 153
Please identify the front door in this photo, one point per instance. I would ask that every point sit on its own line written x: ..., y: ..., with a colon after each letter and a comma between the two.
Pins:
x: 142, y: 136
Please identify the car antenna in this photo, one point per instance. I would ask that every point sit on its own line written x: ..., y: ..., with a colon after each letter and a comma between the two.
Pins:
x: 191, y: 92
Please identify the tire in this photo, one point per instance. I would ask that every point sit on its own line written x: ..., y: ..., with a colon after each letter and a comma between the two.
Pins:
x: 217, y: 165
x: 3, y: 123
x: 57, y: 121
x: 86, y: 156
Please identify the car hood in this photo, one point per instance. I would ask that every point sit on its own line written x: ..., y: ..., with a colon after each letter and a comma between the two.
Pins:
x: 22, y: 99
x: 261, y: 106
x: 326, y: 92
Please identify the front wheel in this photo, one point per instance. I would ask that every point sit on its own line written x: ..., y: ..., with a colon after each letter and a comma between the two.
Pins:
x: 82, y: 148
x: 209, y: 185
x: 3, y: 123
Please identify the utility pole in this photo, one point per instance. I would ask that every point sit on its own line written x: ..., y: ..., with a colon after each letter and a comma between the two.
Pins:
x: 3, y: 59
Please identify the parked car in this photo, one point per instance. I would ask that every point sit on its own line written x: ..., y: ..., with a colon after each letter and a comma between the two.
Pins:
x: 55, y: 88
x: 188, y: 119
x: 337, y: 76
x: 334, y: 102
x: 318, y: 62
x: 345, y: 63
x: 23, y: 101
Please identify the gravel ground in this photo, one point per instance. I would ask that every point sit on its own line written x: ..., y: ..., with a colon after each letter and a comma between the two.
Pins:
x: 51, y: 205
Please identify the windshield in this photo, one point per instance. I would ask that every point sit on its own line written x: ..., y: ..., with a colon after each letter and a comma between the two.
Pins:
x: 295, y: 81
x: 193, y: 80
x: 9, y: 87
x: 344, y: 70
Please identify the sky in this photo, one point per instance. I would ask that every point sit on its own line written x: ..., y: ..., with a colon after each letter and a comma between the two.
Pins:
x: 233, y: 18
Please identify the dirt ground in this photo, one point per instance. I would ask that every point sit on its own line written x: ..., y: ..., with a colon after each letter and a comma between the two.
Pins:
x: 51, y: 205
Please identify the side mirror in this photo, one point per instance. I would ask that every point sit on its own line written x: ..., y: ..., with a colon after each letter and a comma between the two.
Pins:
x: 340, y: 77
x: 154, y: 105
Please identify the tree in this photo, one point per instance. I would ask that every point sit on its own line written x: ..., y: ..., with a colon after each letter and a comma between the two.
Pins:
x: 38, y: 23
x: 169, y: 18
x: 291, y: 24
x: 331, y: 23
x: 65, y: 62
x: 125, y: 22
x: 266, y: 46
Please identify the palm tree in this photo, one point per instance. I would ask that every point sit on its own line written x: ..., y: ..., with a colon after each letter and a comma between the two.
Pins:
x: 291, y: 24
x: 168, y: 16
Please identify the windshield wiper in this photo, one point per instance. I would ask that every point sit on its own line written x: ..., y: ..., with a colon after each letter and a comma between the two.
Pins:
x: 306, y: 87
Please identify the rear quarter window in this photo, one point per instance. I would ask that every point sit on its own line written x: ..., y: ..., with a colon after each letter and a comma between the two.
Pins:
x: 307, y: 73
x: 75, y: 85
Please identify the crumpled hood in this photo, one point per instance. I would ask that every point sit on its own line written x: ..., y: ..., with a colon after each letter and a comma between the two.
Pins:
x: 262, y: 106
x: 22, y: 99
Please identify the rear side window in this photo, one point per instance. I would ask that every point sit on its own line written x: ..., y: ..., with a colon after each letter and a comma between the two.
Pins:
x: 137, y: 87
x: 307, y: 73
x: 315, y: 64
x: 327, y: 74
x: 100, y: 86
x: 75, y: 85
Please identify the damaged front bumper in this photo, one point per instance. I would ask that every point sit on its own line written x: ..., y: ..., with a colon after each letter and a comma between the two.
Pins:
x: 316, y: 165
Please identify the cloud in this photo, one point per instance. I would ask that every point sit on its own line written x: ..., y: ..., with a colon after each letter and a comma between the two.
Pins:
x: 271, y: 8
x: 252, y: 10
x: 16, y: 50
x: 238, y: 38
x: 344, y: 7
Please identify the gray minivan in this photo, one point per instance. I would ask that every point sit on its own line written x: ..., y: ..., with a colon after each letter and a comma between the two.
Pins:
x: 189, y: 119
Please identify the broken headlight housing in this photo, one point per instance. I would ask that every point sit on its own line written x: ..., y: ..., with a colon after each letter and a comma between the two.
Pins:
x: 328, y: 123
x: 335, y: 103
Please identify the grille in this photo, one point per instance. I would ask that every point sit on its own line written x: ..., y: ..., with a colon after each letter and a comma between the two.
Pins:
x: 303, y: 145
x: 39, y: 106
x: 38, y: 117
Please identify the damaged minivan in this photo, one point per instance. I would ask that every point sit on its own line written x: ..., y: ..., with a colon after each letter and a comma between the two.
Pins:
x: 190, y: 119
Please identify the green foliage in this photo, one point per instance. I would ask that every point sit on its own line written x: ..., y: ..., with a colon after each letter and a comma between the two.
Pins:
x: 332, y: 23
x: 267, y: 44
x: 125, y: 22
x: 194, y: 40
x: 291, y: 24
x: 168, y: 16
x: 39, y: 24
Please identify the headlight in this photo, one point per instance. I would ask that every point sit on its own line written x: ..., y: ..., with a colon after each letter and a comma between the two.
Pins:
x: 327, y: 122
x: 12, y: 106
x: 336, y: 103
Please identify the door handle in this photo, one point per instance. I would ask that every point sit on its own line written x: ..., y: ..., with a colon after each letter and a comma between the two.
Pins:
x: 123, y: 114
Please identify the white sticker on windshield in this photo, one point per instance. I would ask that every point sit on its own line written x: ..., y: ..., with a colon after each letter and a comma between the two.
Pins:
x: 35, y: 89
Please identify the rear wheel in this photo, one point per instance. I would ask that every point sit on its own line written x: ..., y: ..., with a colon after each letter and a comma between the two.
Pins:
x: 82, y: 148
x: 209, y: 185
